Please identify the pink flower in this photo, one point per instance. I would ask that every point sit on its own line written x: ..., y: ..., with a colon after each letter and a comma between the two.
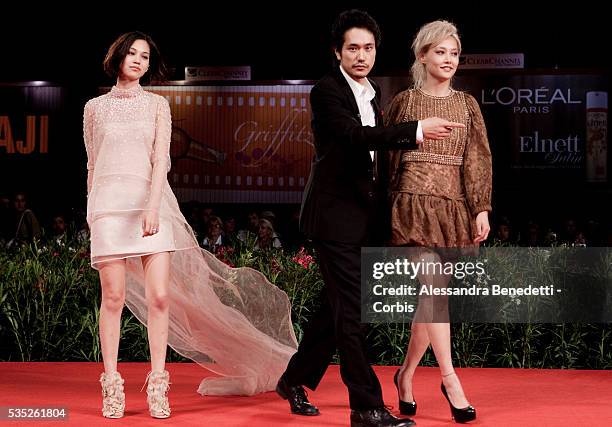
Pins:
x: 302, y: 258
x: 223, y: 252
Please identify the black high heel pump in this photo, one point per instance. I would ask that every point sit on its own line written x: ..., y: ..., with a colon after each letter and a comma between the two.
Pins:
x: 406, y: 408
x: 460, y: 415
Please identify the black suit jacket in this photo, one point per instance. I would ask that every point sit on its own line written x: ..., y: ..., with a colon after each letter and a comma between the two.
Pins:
x: 343, y: 200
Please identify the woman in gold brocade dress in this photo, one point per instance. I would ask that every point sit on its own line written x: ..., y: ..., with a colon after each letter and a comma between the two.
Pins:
x: 440, y: 197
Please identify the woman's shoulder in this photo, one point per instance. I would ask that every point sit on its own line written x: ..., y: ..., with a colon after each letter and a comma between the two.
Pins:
x: 403, y: 95
x: 471, y: 103
x: 396, y: 109
x: 159, y: 99
x: 95, y: 102
x: 469, y: 98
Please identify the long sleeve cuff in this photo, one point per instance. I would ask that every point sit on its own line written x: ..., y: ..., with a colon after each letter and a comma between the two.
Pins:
x: 419, y: 133
x: 481, y: 207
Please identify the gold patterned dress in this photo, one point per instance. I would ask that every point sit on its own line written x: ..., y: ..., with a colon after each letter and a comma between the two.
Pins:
x: 437, y: 190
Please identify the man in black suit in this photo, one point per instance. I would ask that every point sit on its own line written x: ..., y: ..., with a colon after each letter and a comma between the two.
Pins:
x: 340, y: 210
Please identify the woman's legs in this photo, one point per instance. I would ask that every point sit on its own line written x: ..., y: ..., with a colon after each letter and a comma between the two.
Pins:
x: 419, y: 336
x: 157, y: 277
x: 424, y: 331
x: 439, y: 334
x: 112, y: 279
x: 419, y: 341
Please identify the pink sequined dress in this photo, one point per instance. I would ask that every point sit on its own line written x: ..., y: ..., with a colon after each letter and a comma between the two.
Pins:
x: 232, y: 321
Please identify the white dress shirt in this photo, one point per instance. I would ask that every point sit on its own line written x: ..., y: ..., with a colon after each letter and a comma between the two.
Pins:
x: 363, y: 96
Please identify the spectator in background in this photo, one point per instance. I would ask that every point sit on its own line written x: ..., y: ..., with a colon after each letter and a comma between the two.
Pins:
x: 5, y: 210
x: 205, y: 214
x: 230, y: 235
x: 25, y: 225
x: 252, y: 227
x: 82, y: 232
x: 269, y: 215
x: 253, y: 222
x: 580, y: 239
x: 569, y: 232
x: 58, y: 228
x: 266, y: 236
x: 503, y: 233
x: 530, y: 237
x: 551, y: 238
x: 213, y: 239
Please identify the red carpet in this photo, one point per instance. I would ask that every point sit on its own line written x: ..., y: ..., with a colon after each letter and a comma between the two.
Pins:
x: 502, y: 397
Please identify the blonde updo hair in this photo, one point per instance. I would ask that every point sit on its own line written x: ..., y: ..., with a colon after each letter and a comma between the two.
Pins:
x: 430, y: 35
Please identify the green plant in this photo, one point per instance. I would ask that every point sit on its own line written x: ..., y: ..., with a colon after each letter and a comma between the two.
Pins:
x: 50, y: 298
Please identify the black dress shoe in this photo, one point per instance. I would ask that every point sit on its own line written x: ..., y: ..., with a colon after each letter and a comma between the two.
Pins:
x: 378, y: 417
x: 461, y: 415
x: 296, y: 395
x: 406, y: 408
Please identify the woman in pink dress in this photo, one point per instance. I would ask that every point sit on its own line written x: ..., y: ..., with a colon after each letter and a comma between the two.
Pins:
x: 232, y: 321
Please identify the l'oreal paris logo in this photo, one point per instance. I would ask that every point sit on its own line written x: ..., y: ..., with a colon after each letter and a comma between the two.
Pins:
x: 541, y: 96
